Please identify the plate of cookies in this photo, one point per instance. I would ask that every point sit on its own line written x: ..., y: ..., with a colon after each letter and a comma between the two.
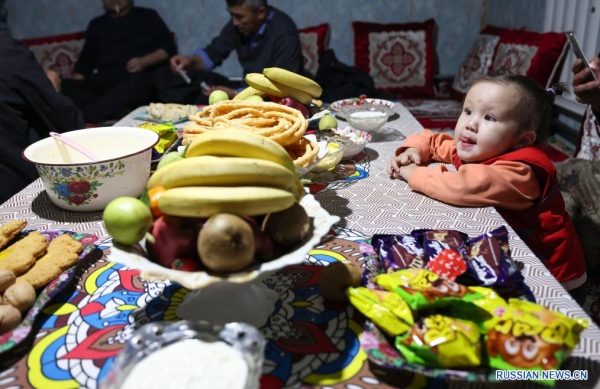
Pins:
x: 35, y: 266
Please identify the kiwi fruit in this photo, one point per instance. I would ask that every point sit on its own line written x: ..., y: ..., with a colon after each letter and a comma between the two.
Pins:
x: 336, y: 278
x: 287, y: 228
x: 226, y: 243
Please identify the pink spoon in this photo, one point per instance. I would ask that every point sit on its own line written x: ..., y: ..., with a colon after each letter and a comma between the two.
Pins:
x: 75, y: 145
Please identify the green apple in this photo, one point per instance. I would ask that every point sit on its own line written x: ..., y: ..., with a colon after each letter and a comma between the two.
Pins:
x: 254, y: 98
x: 169, y: 158
x: 216, y: 96
x: 326, y: 122
x: 127, y: 220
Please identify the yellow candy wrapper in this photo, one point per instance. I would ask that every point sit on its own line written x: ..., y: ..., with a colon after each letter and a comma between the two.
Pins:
x: 421, y: 288
x: 167, y: 133
x: 386, y: 309
x: 443, y: 342
x: 531, y: 337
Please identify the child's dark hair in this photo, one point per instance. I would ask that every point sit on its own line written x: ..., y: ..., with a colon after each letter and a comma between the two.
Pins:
x: 535, y: 108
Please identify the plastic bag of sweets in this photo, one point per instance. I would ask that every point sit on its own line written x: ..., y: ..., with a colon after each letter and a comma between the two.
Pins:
x: 531, y: 337
x: 167, y: 134
x: 484, y: 312
x: 441, y: 341
x: 488, y: 259
x: 422, y: 289
x: 434, y: 241
x: 386, y: 309
x: 398, y: 252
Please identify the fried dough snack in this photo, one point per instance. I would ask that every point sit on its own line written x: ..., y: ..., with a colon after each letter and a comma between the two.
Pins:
x: 63, y: 253
x: 24, y: 253
x: 282, y: 124
x: 10, y: 230
x: 303, y: 152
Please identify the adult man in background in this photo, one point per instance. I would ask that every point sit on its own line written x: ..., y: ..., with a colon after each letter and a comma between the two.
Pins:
x: 112, y: 74
x: 262, y: 37
x: 30, y: 108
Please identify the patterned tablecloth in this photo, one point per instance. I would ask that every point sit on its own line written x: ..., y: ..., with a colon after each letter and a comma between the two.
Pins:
x: 312, y: 342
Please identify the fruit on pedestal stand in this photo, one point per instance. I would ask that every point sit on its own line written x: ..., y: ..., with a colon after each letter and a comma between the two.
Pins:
x: 287, y: 228
x: 289, y: 102
x: 169, y: 158
x: 216, y: 96
x: 226, y: 243
x: 264, y: 250
x: 172, y: 238
x: 127, y: 220
x: 336, y: 278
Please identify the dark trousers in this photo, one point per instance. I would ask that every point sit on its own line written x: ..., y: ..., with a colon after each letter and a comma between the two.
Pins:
x: 171, y: 88
x: 102, y: 99
x: 579, y: 294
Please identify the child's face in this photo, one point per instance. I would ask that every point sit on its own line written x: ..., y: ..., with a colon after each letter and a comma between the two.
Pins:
x: 488, y: 124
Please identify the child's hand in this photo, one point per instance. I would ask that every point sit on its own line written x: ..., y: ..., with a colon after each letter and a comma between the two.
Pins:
x: 410, y: 155
x: 407, y: 171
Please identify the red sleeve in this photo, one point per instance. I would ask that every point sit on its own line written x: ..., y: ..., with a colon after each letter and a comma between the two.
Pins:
x: 431, y: 146
x: 504, y: 184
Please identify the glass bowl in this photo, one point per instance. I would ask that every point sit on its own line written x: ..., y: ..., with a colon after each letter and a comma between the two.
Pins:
x: 157, y: 336
x: 332, y: 158
x: 367, y: 118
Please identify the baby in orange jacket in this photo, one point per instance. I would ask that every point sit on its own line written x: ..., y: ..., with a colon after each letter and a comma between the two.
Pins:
x: 496, y: 151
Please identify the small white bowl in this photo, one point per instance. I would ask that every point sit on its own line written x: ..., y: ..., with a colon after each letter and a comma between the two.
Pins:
x: 367, y: 118
x: 354, y: 141
x: 75, y: 183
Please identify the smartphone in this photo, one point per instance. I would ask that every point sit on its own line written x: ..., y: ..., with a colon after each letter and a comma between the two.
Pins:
x: 579, y: 54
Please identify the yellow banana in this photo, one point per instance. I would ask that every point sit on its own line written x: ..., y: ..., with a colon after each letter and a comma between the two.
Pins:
x: 247, y: 93
x: 243, y: 144
x: 205, y: 201
x: 260, y: 82
x: 227, y: 171
x: 293, y: 80
x: 237, y: 143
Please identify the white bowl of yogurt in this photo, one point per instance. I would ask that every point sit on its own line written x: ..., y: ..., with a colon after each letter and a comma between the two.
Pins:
x: 186, y: 355
x: 367, y: 118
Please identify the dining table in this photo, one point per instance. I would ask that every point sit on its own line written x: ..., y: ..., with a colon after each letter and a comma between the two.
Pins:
x: 311, y: 342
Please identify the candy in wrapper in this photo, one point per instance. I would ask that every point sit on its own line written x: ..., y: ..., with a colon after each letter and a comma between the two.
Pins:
x: 448, y: 264
x: 167, y: 134
x: 386, y: 309
x: 489, y: 260
x: 434, y: 241
x: 398, y: 252
x: 484, y: 312
x: 531, y: 337
x: 440, y: 341
x: 421, y: 288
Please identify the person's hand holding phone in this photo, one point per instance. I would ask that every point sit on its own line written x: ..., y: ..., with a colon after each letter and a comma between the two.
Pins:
x: 585, y: 87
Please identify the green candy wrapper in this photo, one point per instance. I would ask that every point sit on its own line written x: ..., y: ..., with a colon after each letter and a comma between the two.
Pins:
x: 167, y: 133
x: 440, y: 341
x: 386, y: 309
x: 422, y: 289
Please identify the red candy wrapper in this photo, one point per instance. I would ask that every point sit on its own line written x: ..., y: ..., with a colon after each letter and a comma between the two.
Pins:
x: 448, y: 264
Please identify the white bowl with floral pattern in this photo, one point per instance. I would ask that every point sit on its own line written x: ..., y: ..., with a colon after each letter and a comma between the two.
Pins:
x: 75, y: 183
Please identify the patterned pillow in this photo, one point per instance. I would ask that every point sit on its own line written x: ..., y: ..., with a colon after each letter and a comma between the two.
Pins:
x: 313, y: 41
x: 539, y: 56
x: 399, y: 57
x: 478, y: 62
x: 58, y: 53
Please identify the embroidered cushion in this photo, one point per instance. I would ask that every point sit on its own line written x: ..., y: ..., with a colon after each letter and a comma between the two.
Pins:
x: 313, y: 40
x: 399, y: 57
x: 58, y: 53
x: 539, y: 56
x: 478, y: 62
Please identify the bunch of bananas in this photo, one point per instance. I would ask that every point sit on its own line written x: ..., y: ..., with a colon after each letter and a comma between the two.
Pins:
x: 228, y: 171
x: 280, y: 83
